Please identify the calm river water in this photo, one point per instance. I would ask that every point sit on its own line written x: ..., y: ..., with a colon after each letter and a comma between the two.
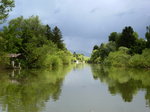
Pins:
x: 76, y: 88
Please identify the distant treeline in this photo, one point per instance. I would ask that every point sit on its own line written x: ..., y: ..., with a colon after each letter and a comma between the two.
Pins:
x: 124, y: 49
x: 80, y: 58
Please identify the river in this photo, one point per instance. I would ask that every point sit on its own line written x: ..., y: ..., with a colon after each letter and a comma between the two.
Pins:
x: 75, y: 88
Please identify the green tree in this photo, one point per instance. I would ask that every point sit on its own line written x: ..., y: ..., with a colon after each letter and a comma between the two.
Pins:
x: 57, y: 38
x: 21, y: 31
x: 100, y: 54
x: 118, y: 58
x: 141, y: 60
x: 95, y: 47
x: 9, y: 43
x: 49, y: 33
x: 128, y: 38
x: 38, y: 45
x: 103, y: 51
x: 5, y: 7
x: 139, y: 46
x: 113, y: 36
x: 95, y: 56
x: 147, y: 35
x: 27, y: 36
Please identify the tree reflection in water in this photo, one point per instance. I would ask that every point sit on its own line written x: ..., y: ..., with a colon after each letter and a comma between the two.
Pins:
x: 28, y: 90
x: 123, y: 81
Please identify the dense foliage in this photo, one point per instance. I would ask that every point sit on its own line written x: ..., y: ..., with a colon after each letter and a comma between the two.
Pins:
x: 38, y: 45
x: 124, y: 49
x: 147, y: 35
x: 5, y: 7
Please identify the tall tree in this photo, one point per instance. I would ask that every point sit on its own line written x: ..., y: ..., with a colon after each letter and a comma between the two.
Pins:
x: 57, y: 38
x: 113, y: 36
x: 5, y: 7
x: 128, y: 37
x: 49, y: 33
x: 147, y: 35
x: 95, y: 47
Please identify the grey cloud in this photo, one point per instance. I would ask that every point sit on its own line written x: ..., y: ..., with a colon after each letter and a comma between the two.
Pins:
x: 87, y: 21
x: 56, y: 11
x: 94, y: 10
x: 126, y: 13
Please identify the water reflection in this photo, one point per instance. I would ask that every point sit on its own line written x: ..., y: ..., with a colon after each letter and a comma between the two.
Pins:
x: 126, y: 82
x: 79, y: 66
x: 46, y: 90
x: 28, y: 90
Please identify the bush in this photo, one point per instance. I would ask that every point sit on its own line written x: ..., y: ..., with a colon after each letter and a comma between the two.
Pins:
x: 4, y: 60
x: 142, y: 60
x: 95, y: 57
x: 136, y: 60
x: 57, y: 59
x: 65, y: 56
x: 54, y: 61
x: 118, y: 58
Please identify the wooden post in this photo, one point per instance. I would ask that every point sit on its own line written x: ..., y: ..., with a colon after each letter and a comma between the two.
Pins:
x: 19, y: 65
x: 13, y: 64
x: 13, y: 73
x: 19, y: 71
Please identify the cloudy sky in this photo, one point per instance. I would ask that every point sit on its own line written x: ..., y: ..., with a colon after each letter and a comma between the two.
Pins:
x: 85, y: 23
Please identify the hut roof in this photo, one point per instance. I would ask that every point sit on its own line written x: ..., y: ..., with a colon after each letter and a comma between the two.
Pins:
x: 14, y: 55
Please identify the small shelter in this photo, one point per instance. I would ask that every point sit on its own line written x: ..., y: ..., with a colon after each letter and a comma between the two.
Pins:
x: 13, y: 57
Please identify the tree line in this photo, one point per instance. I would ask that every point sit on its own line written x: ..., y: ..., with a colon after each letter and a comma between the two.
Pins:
x: 38, y: 44
x: 124, y: 49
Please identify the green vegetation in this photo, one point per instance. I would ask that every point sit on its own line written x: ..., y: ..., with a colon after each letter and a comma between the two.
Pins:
x: 32, y: 44
x: 141, y: 60
x: 118, y: 58
x: 5, y: 7
x: 124, y: 49
x: 38, y: 45
x: 80, y: 58
x: 99, y: 54
x: 147, y: 35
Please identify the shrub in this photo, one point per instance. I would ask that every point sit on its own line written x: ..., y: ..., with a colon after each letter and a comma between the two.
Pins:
x: 65, y: 56
x: 118, y: 58
x: 53, y: 61
x: 142, y: 60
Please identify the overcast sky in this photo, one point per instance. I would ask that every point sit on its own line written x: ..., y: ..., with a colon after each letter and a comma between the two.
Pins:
x: 85, y: 23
